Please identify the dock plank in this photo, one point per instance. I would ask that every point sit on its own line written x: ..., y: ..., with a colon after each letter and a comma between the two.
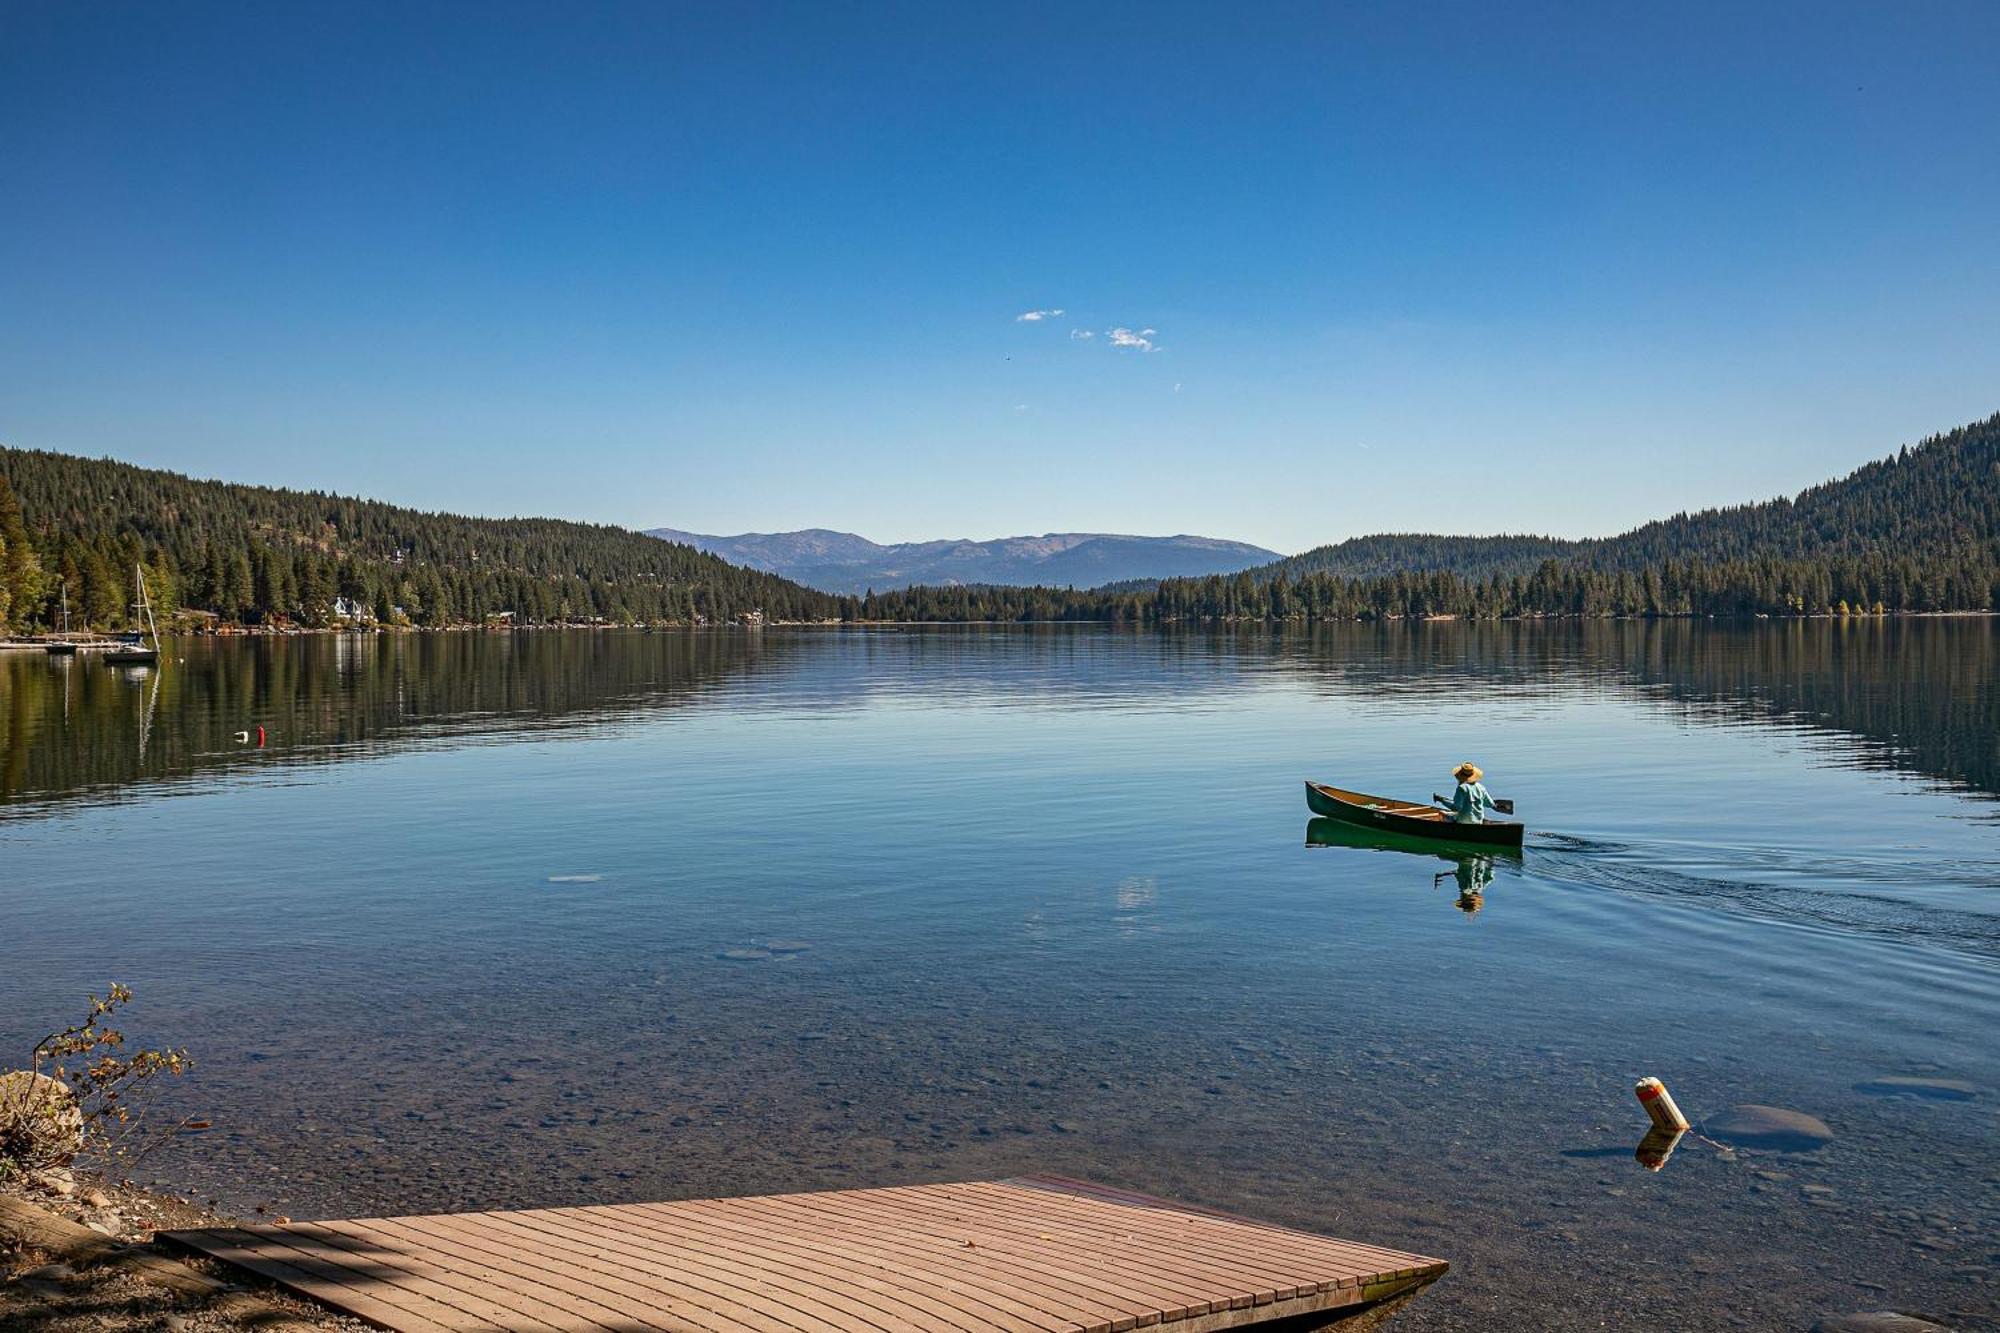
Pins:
x: 880, y: 1227
x: 1035, y: 1254
x: 630, y: 1265
x: 1023, y: 1239
x: 838, y: 1261
x: 789, y: 1286
x: 1193, y: 1270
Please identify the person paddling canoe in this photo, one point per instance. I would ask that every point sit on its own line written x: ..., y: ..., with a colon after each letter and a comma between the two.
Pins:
x: 1470, y: 802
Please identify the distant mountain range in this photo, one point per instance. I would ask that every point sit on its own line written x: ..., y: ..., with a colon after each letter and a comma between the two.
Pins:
x: 841, y: 562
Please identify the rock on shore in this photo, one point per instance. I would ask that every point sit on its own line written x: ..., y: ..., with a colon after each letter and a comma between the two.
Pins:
x: 40, y: 1122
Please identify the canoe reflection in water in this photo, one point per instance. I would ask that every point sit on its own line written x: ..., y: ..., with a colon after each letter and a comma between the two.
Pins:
x: 1471, y: 867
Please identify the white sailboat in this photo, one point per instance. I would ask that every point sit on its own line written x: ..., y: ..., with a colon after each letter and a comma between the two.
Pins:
x: 141, y: 653
x: 64, y: 646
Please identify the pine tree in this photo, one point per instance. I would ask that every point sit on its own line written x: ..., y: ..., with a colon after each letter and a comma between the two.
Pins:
x: 20, y: 570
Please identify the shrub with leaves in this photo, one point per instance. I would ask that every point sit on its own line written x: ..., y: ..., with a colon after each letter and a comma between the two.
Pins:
x: 81, y: 1093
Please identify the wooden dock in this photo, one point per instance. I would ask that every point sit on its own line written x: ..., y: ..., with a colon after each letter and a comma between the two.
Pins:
x: 1036, y: 1254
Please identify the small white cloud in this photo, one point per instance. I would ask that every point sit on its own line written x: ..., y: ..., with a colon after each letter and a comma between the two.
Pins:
x: 1177, y: 388
x: 1142, y: 339
x: 1020, y: 407
x: 1037, y: 316
x: 1082, y: 335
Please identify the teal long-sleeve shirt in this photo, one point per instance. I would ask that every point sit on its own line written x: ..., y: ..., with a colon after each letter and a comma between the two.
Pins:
x: 1470, y: 803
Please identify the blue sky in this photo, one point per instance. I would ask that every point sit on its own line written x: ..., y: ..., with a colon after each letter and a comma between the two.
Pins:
x: 1461, y: 268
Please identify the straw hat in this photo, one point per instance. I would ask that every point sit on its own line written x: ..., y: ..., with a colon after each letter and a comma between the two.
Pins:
x: 1468, y: 772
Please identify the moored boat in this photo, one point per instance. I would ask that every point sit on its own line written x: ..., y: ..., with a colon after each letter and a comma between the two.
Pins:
x: 1407, y: 817
x: 133, y: 650
x: 64, y: 646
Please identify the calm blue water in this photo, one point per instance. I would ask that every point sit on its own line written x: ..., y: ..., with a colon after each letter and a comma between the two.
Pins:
x: 543, y: 918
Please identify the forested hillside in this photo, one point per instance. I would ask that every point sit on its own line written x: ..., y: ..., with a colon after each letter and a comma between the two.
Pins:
x: 1962, y: 580
x: 1927, y: 500
x: 1932, y: 501
x: 1919, y: 531
x: 252, y: 553
x: 1422, y: 553
x: 1916, y: 532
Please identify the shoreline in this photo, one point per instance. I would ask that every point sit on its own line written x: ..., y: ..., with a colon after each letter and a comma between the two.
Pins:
x: 1207, y: 622
x: 78, y: 1255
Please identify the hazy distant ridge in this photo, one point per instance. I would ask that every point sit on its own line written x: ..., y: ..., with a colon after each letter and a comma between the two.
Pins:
x: 842, y: 562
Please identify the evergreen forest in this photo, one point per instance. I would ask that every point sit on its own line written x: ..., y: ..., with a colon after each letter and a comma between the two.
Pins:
x: 1918, y: 531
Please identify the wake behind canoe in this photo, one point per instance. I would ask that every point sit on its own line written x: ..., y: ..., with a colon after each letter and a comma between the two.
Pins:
x: 1421, y: 821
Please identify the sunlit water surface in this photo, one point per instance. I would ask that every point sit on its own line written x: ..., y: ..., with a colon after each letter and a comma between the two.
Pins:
x: 559, y: 918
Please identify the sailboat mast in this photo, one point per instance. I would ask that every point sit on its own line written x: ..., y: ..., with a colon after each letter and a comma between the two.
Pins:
x: 145, y: 604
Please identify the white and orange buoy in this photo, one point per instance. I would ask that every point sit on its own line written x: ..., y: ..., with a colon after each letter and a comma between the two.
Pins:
x: 1659, y: 1104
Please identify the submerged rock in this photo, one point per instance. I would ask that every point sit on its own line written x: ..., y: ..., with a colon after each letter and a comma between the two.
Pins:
x: 40, y: 1122
x: 1878, y: 1321
x: 1774, y: 1127
x: 1931, y: 1089
x: 744, y: 955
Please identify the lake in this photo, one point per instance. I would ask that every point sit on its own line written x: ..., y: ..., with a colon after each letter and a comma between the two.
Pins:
x: 548, y: 918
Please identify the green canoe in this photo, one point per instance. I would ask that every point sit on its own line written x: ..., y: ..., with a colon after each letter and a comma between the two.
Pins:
x: 1324, y: 832
x: 1417, y: 821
